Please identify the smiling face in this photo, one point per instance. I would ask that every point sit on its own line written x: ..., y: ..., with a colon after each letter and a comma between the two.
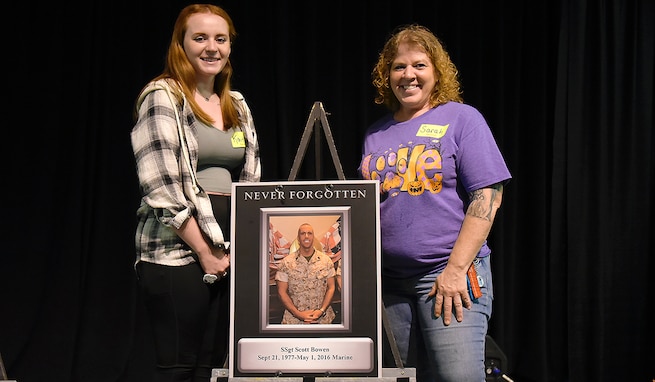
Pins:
x: 412, y: 79
x: 306, y: 236
x: 207, y: 43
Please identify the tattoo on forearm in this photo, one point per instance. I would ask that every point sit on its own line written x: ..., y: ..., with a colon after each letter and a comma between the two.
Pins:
x: 479, y: 206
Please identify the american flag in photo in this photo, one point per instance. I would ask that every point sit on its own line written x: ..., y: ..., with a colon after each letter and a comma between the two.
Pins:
x: 331, y: 241
x: 278, y: 248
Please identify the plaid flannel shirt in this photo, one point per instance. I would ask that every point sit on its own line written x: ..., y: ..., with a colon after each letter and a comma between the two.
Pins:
x: 166, y: 162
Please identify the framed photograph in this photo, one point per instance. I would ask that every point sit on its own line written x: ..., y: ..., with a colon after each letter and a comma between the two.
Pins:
x: 314, y: 245
x: 331, y: 227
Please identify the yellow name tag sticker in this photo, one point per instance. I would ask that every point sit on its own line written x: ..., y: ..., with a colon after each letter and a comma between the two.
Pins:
x: 238, y: 139
x: 432, y: 131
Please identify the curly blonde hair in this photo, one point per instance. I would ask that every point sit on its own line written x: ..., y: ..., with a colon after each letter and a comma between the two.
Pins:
x: 447, y: 87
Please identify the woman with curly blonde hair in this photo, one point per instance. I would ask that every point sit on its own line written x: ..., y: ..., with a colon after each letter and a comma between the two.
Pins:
x: 441, y: 178
x: 447, y: 87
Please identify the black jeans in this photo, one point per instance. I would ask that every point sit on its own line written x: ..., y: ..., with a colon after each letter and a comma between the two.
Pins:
x: 190, y: 320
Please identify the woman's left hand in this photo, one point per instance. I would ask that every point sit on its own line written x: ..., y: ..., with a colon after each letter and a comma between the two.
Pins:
x: 450, y: 290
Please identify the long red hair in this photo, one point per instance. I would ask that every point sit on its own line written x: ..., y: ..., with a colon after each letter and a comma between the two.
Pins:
x: 179, y: 68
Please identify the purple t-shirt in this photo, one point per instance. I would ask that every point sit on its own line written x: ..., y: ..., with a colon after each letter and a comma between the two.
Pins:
x: 426, y: 167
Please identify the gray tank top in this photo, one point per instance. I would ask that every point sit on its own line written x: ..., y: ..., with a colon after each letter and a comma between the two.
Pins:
x: 219, y: 161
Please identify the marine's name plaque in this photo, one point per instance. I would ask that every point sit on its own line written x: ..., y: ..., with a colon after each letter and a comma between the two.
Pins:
x: 305, y: 354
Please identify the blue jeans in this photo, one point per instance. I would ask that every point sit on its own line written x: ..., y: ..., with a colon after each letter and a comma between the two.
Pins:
x: 452, y: 353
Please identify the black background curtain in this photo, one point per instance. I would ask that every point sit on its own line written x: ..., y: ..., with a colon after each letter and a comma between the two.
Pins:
x: 567, y: 88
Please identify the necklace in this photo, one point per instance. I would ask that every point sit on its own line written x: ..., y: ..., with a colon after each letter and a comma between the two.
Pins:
x: 206, y: 98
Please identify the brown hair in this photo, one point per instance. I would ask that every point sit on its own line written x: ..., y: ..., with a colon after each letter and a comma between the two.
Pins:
x: 447, y: 87
x: 179, y: 68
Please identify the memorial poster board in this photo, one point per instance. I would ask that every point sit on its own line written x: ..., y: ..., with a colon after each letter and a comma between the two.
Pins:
x: 266, y: 217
